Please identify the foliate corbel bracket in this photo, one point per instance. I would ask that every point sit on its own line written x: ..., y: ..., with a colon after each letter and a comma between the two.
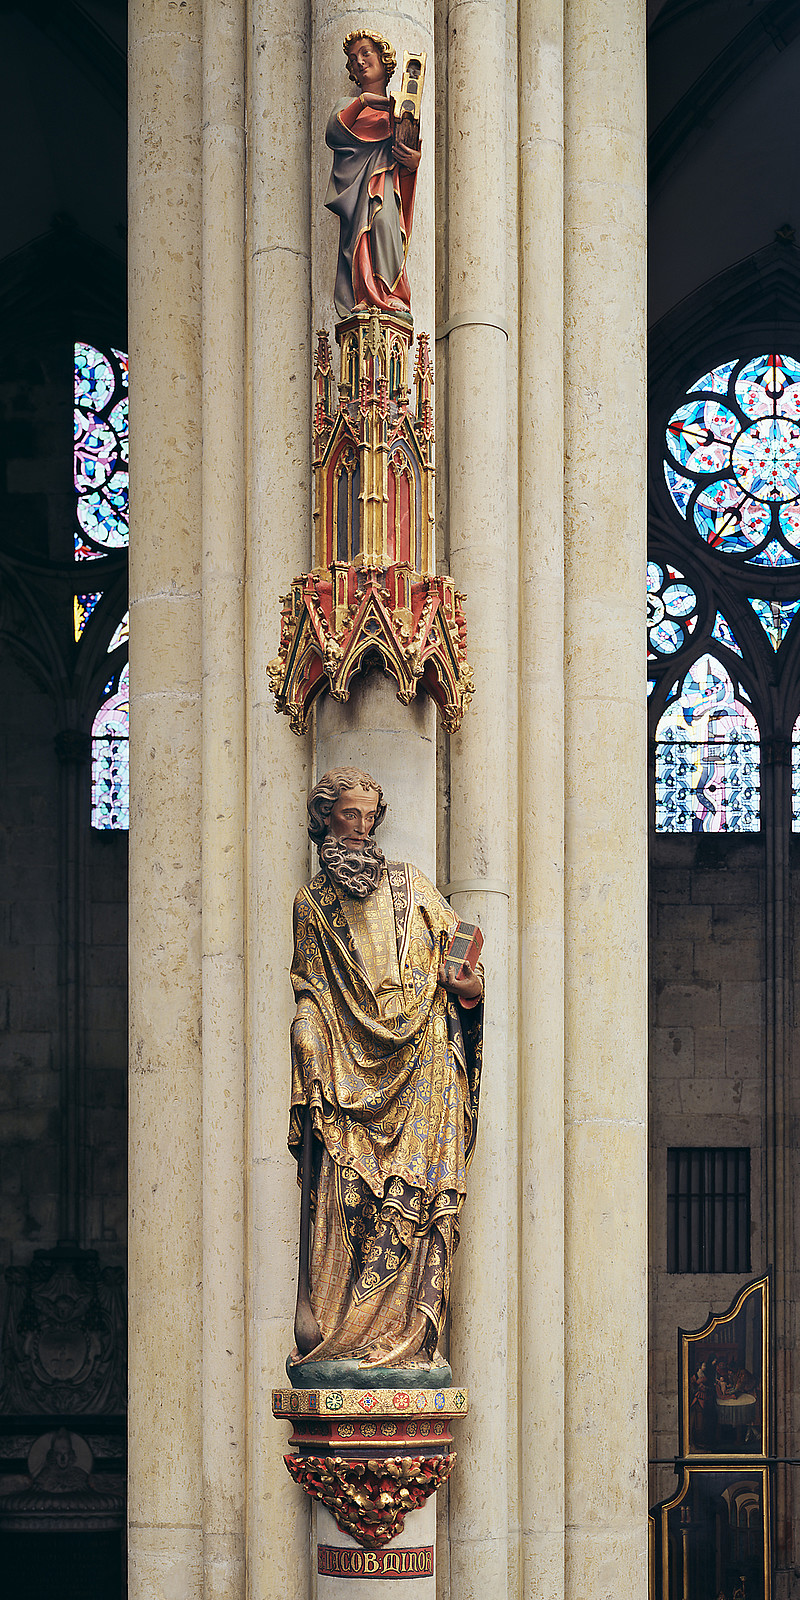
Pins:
x: 371, y: 1499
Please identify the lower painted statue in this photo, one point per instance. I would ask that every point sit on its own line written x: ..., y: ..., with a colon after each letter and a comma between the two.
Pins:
x: 386, y: 1053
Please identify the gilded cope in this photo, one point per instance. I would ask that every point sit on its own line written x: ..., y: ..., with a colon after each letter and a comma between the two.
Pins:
x: 386, y: 1051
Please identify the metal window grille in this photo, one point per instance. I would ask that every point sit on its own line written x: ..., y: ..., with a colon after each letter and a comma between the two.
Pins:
x: 708, y: 1210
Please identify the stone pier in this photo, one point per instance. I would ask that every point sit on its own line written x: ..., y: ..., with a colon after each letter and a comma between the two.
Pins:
x: 526, y: 268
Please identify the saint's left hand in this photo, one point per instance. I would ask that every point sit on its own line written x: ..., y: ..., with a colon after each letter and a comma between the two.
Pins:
x: 464, y: 984
x: 405, y: 157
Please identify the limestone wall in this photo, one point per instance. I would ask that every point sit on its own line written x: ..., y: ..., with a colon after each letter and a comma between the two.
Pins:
x: 707, y: 987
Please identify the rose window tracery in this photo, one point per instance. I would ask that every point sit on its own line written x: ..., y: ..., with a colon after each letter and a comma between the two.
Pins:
x: 671, y: 610
x: 733, y: 462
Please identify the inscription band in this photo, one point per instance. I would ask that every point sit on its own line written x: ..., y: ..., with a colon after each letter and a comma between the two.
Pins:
x: 335, y: 1562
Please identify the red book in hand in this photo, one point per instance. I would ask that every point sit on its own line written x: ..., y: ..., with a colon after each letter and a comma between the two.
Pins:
x: 466, y: 944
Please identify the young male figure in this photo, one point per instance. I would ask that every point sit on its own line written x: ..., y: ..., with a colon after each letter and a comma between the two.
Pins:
x: 386, y: 1049
x: 372, y: 184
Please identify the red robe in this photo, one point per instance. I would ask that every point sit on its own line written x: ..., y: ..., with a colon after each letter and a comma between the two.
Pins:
x: 374, y: 201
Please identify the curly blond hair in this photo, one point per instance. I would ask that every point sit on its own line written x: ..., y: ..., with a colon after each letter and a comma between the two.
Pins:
x: 386, y: 51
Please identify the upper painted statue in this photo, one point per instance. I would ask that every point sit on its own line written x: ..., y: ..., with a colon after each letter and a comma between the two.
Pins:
x: 372, y: 185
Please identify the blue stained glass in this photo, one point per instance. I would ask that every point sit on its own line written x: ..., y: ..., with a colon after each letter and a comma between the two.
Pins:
x: 700, y: 434
x: 769, y: 384
x: 83, y: 606
x: 773, y: 555
x: 110, y: 783
x: 104, y: 516
x: 667, y: 637
x: 722, y: 633
x: 95, y: 381
x: 98, y: 444
x: 717, y: 381
x: 118, y: 420
x: 744, y: 458
x: 671, y: 609
x: 766, y: 460
x: 110, y: 759
x: 776, y: 617
x: 679, y: 599
x: 707, y: 756
x: 789, y: 519
x: 728, y: 520
x: 679, y: 487
x: 100, y: 451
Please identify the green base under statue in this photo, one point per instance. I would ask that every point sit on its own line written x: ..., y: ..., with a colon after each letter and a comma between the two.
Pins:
x: 349, y: 1374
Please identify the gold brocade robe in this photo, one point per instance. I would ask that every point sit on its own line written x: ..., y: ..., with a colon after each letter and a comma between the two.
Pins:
x: 390, y: 1066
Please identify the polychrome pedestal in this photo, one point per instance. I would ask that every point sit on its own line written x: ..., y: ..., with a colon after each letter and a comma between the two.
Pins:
x: 372, y: 1459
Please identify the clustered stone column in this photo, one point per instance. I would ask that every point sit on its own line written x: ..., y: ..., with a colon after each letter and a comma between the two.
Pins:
x: 224, y: 811
x: 278, y: 480
x: 605, y: 1056
x: 371, y: 729
x: 541, y: 800
x: 166, y: 1258
x: 231, y: 274
x: 481, y: 549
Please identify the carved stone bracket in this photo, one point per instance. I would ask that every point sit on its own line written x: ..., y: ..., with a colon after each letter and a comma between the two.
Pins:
x: 334, y: 618
x: 370, y: 1499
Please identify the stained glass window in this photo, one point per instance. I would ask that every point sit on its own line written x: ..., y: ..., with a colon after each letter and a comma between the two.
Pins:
x: 110, y: 759
x: 671, y: 610
x: 119, y: 636
x: 101, y: 486
x: 707, y: 756
x: 733, y: 463
x: 101, y: 451
x: 723, y: 634
x: 776, y: 617
x: 83, y: 606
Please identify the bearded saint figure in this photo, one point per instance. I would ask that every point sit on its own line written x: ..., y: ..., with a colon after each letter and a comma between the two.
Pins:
x: 386, y: 1051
